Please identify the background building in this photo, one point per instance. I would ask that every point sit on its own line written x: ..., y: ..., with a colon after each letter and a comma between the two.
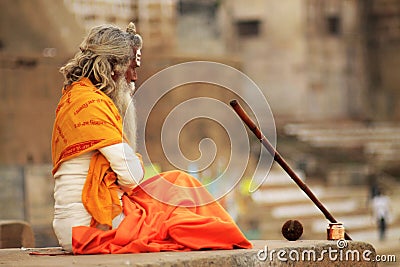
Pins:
x: 155, y: 18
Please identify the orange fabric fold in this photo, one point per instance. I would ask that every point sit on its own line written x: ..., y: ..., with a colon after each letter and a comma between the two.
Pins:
x: 99, y: 194
x: 151, y: 225
x: 86, y: 120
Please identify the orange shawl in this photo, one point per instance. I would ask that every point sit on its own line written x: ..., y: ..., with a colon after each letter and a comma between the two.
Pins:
x: 87, y: 119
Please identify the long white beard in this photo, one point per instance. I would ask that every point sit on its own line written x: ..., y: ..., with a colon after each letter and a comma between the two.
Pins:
x: 126, y: 107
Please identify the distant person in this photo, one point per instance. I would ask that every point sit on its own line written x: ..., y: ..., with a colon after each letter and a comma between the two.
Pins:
x: 373, y: 186
x: 381, y: 212
x: 101, y: 205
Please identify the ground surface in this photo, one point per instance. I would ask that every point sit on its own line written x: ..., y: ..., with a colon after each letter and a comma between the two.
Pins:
x: 264, y: 253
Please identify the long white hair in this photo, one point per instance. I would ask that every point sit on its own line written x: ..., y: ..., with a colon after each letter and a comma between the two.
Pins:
x: 105, y: 51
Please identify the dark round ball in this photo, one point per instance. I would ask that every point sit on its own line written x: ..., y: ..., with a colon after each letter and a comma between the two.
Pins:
x: 292, y: 230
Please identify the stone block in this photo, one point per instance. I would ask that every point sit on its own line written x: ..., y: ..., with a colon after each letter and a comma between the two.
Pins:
x: 16, y: 234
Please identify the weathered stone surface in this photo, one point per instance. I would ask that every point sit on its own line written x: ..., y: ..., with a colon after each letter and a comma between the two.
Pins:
x: 12, y: 198
x: 221, y: 258
x: 16, y: 234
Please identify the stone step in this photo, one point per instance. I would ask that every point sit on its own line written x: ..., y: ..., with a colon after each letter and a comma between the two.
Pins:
x: 283, y: 195
x: 274, y: 206
x: 308, y: 210
x: 280, y: 199
x: 264, y: 253
x: 293, y: 194
x: 352, y: 223
x: 281, y: 189
x: 393, y: 232
x: 278, y: 177
x: 347, y: 135
x: 389, y: 246
x: 358, y: 221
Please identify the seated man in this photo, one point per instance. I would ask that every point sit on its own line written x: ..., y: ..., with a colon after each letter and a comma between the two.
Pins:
x: 100, y: 204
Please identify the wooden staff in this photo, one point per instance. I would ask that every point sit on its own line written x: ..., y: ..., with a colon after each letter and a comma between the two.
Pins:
x: 278, y: 158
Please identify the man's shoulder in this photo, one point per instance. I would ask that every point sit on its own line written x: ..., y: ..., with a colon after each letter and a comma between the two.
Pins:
x: 81, y: 99
x: 82, y: 93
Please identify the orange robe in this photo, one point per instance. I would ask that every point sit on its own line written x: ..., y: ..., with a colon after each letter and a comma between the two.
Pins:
x: 162, y: 214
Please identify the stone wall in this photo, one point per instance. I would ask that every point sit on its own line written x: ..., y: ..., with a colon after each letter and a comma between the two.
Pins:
x: 27, y: 195
x: 36, y: 38
x: 382, y: 19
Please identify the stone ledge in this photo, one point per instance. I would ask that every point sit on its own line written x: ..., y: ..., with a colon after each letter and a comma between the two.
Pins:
x: 249, y: 257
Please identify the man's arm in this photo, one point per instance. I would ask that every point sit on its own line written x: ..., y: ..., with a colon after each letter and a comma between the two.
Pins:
x: 125, y: 163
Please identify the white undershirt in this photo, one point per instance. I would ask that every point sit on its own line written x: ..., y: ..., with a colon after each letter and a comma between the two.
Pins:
x: 70, y: 179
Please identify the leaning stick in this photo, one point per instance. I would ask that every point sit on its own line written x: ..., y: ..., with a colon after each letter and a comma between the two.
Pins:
x: 278, y: 158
